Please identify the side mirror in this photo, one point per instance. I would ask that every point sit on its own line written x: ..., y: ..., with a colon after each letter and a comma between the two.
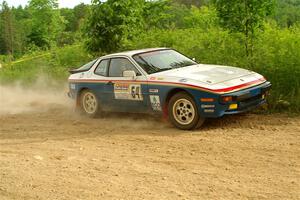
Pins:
x: 130, y: 74
x: 194, y: 59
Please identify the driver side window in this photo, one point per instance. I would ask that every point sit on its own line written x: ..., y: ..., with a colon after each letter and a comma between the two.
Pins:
x: 119, y: 65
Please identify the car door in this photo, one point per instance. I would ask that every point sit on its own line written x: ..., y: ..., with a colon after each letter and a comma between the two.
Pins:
x: 103, y: 86
x: 126, y: 94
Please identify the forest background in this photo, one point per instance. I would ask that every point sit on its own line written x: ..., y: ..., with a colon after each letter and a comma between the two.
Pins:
x: 260, y: 35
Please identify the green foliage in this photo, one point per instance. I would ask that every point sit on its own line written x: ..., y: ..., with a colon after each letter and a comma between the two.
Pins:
x: 287, y: 12
x: 111, y: 26
x: 204, y: 17
x: 157, y: 14
x: 51, y: 64
x: 39, y: 26
x: 74, y: 17
x: 46, y: 22
x: 197, y: 3
x: 276, y: 55
x: 215, y: 33
x: 112, y: 23
x: 7, y: 30
x: 244, y: 16
x: 168, y: 14
x: 213, y: 45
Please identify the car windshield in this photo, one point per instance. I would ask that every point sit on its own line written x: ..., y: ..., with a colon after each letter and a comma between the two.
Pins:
x: 162, y: 60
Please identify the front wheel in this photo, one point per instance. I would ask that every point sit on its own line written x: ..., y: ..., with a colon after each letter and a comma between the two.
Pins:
x: 89, y: 103
x: 183, y: 112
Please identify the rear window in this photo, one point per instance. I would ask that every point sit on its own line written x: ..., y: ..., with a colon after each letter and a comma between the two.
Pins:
x: 87, y: 66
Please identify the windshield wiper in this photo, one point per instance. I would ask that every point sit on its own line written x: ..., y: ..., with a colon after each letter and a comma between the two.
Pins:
x: 164, y: 69
x: 181, y: 64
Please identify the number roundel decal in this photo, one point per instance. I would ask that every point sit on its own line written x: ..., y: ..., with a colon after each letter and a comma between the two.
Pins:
x: 128, y: 91
x: 136, y: 91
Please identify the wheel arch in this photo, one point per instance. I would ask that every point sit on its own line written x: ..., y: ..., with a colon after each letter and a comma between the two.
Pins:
x: 169, y: 95
x: 78, y: 95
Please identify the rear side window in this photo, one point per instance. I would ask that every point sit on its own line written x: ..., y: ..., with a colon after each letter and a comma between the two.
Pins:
x: 87, y: 66
x: 102, y: 68
x: 119, y: 65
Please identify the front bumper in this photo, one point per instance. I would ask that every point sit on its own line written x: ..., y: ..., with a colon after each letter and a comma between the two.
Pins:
x: 245, y: 100
x: 250, y: 98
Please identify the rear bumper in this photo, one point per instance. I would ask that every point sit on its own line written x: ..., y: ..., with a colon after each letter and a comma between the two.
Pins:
x: 71, y: 95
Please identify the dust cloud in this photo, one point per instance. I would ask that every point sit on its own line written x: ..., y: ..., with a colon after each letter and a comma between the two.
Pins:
x: 39, y: 97
x: 48, y: 97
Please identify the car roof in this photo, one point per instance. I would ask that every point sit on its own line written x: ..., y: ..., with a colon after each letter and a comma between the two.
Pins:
x: 133, y: 52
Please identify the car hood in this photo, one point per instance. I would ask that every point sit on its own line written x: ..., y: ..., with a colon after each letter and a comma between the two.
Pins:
x: 211, y: 74
x: 213, y: 77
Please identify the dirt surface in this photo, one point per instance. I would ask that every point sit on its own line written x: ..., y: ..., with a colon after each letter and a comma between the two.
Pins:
x: 57, y: 154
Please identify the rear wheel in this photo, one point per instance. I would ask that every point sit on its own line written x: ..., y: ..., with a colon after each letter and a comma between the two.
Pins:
x: 89, y: 103
x: 183, y: 112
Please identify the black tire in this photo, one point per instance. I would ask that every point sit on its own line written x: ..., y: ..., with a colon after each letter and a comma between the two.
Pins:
x: 89, y: 104
x: 183, y: 112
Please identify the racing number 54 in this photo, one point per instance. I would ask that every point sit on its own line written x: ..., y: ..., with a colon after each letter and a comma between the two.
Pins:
x: 136, y: 91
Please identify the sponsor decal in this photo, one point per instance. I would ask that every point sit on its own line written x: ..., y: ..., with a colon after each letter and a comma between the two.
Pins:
x: 209, y: 110
x: 155, y: 78
x: 153, y: 90
x: 128, y: 91
x: 121, y: 86
x: 155, y: 102
x: 207, y: 106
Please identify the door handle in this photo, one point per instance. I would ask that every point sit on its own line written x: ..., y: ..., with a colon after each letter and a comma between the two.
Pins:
x: 110, y: 83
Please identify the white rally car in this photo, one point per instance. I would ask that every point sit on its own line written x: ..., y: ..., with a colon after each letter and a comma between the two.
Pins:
x: 163, y: 81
